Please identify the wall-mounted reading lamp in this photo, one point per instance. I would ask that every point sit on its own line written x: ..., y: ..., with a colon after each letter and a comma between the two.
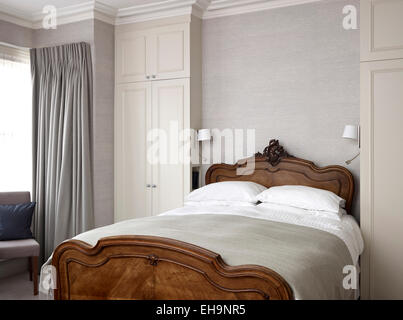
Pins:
x: 352, y: 132
x: 204, y: 135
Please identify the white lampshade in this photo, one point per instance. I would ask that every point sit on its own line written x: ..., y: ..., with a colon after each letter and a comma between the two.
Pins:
x: 350, y: 132
x: 204, y: 135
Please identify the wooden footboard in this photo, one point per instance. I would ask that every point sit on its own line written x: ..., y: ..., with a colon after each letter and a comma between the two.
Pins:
x: 145, y: 267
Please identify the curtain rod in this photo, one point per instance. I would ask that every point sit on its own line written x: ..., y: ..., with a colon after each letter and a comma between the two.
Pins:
x: 14, y: 46
x: 42, y: 46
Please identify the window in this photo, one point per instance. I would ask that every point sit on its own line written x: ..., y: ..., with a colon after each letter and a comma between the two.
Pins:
x: 15, y: 120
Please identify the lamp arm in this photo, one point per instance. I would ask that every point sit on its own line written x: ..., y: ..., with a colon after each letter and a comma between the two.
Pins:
x: 349, y: 161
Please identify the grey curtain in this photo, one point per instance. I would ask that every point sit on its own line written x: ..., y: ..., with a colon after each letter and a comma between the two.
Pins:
x: 62, y: 175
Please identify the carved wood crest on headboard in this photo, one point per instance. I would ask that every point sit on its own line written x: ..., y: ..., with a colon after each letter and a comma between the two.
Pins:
x: 273, y: 153
x: 276, y: 167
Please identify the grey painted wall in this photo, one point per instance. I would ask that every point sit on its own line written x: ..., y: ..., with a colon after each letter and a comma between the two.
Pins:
x: 291, y: 73
x: 104, y: 86
x: 16, y: 35
x: 66, y: 33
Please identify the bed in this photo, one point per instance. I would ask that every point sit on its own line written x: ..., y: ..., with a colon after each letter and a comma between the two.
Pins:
x: 215, y: 252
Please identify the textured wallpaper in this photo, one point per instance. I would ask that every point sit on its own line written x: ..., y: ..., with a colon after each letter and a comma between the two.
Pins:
x: 290, y: 73
x: 16, y: 35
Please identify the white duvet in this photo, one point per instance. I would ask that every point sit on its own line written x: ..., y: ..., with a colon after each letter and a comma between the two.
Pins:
x: 346, y: 228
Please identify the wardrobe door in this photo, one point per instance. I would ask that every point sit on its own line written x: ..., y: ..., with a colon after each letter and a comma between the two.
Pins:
x: 170, y: 52
x: 171, y: 173
x: 381, y: 29
x: 132, y: 56
x: 382, y: 178
x: 132, y: 171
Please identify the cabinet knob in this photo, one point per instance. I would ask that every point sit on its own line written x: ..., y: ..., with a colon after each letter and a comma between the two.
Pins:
x: 148, y: 185
x: 153, y: 186
x: 154, y: 76
x: 148, y: 77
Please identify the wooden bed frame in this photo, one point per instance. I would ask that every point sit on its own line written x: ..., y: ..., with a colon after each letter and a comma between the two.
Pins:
x: 147, y: 267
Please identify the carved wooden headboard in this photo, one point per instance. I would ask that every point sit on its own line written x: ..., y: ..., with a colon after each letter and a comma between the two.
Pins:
x: 275, y: 167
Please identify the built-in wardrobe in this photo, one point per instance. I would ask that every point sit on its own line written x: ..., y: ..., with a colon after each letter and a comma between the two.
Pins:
x: 382, y: 148
x: 157, y: 101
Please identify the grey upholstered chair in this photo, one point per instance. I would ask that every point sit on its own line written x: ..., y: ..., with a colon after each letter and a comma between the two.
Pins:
x: 26, y: 248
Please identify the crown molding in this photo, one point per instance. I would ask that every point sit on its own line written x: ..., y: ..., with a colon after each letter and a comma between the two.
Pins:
x: 104, y: 13
x: 15, y: 16
x: 83, y: 11
x: 222, y: 8
x: 204, y: 9
x: 203, y: 4
x: 163, y: 9
x: 158, y: 10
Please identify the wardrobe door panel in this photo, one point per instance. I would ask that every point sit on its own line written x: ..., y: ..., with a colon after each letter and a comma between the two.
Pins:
x: 381, y: 29
x: 132, y: 170
x: 170, y: 116
x: 382, y: 178
x: 132, y: 62
x: 171, y: 52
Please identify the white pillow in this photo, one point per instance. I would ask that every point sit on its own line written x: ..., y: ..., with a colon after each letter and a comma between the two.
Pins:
x: 289, y: 210
x: 218, y: 203
x: 303, y: 197
x: 240, y: 191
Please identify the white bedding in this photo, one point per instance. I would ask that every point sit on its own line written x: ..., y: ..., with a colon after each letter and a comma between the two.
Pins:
x: 346, y: 229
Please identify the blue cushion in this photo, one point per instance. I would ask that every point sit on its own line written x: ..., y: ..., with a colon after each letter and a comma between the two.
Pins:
x: 15, y: 221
